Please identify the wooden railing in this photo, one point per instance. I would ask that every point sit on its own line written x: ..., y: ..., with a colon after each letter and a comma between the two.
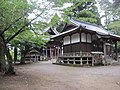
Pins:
x: 76, y: 58
x: 76, y: 54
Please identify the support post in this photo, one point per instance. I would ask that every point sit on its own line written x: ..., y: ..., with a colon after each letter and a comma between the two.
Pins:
x: 74, y: 61
x: 93, y: 60
x: 35, y: 57
x: 50, y: 53
x: 57, y: 52
x: 55, y: 57
x: 81, y: 61
x: 87, y: 61
x: 104, y: 51
x: 68, y: 61
x: 46, y: 52
x: 116, y: 51
x: 62, y: 50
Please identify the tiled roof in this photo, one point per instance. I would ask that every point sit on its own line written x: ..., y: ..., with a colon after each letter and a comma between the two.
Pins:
x: 92, y: 27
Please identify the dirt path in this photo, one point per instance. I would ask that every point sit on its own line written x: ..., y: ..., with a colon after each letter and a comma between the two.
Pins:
x: 46, y: 76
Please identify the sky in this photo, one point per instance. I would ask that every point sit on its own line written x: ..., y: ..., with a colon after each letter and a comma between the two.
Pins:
x: 101, y: 13
x: 46, y: 17
x: 48, y: 14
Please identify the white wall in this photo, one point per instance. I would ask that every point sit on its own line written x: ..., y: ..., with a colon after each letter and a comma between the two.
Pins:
x: 83, y: 37
x: 66, y: 40
x: 89, y: 38
x: 75, y: 38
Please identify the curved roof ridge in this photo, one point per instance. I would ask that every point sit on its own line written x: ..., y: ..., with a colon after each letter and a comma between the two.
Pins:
x: 89, y: 26
x: 93, y: 24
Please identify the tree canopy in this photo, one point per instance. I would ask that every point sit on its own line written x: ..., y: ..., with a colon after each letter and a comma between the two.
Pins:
x: 16, y: 27
x: 111, y: 14
x: 84, y: 10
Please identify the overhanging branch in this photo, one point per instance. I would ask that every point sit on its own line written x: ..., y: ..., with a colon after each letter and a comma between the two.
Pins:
x: 22, y: 28
x: 11, y: 24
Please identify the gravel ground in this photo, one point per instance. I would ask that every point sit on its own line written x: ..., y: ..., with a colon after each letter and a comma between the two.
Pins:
x: 46, y: 76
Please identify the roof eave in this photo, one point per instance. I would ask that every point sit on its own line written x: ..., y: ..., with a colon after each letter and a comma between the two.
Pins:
x: 63, y: 33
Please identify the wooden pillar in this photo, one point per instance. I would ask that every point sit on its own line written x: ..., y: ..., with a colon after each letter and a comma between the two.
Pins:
x: 30, y: 56
x: 116, y: 51
x: 93, y: 60
x: 80, y: 41
x: 86, y: 42
x: 87, y: 61
x: 62, y: 50
x: 57, y: 52
x: 67, y: 60
x: 50, y: 53
x: 35, y: 57
x: 46, y: 52
x: 104, y: 50
x: 74, y: 61
x: 70, y: 44
x: 81, y: 61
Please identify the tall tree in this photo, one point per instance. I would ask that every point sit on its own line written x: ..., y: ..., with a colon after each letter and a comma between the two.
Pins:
x: 84, y: 10
x: 110, y: 9
x: 10, y: 11
x: 13, y: 21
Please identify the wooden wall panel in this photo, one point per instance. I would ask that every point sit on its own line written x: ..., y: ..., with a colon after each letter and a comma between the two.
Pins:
x: 75, y: 47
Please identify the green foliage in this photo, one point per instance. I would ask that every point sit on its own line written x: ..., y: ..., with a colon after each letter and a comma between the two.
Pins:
x: 11, y: 10
x: 30, y: 38
x: 114, y: 26
x: 116, y: 4
x: 87, y: 19
x: 84, y: 10
x: 39, y: 27
x: 59, y: 3
x: 55, y: 21
x: 105, y: 6
x: 111, y: 9
x: 86, y: 13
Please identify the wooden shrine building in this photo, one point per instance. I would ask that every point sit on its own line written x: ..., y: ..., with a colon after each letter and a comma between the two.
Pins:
x: 32, y: 55
x: 84, y: 43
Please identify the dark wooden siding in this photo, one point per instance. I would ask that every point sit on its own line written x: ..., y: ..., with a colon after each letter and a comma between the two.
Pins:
x: 75, y: 47
x: 66, y: 49
x: 97, y: 46
x: 88, y: 47
x: 83, y: 47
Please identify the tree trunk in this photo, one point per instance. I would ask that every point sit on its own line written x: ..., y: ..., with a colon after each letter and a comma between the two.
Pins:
x: 9, y: 67
x: 22, y: 61
x: 2, y: 56
x: 5, y: 67
x: 15, y: 54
